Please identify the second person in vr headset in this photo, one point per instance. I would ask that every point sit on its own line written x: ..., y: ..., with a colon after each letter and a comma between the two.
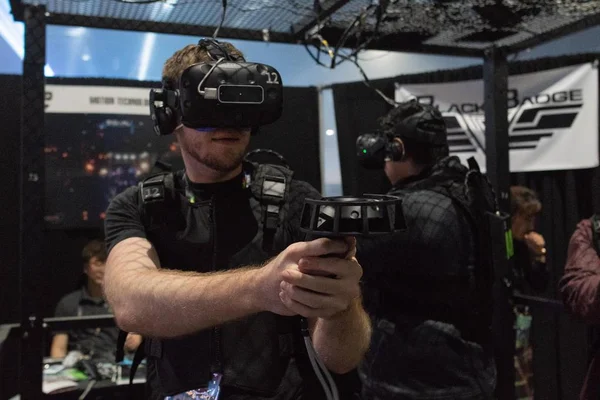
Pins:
x: 420, y: 287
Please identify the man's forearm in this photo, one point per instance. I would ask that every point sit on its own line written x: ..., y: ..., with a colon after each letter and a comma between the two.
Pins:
x: 168, y: 303
x: 341, y: 341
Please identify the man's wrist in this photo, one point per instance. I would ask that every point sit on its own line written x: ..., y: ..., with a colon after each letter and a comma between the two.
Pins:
x: 253, y: 280
x: 355, y: 305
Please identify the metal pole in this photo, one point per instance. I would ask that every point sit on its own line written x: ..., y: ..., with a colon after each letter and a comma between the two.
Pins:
x: 495, y: 77
x: 32, y: 195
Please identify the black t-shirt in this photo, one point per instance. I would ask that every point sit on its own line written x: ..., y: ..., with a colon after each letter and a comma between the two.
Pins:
x: 217, y: 232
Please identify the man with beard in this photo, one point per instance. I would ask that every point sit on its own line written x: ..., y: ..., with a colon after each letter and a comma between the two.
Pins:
x: 200, y: 286
x: 419, y: 284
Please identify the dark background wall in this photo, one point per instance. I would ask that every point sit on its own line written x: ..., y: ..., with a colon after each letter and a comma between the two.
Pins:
x: 357, y: 108
x: 560, y: 352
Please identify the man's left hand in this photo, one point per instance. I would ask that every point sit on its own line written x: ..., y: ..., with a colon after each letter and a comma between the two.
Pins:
x: 322, y: 286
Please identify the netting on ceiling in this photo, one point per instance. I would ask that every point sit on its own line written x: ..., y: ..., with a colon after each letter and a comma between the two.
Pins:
x: 473, y: 24
x: 470, y: 23
x: 275, y: 15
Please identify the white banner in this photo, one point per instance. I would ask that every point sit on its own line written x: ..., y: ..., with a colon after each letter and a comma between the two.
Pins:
x: 553, y: 117
x: 65, y: 99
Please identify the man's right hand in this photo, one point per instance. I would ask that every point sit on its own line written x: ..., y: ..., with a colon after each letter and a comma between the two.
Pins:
x: 271, y: 275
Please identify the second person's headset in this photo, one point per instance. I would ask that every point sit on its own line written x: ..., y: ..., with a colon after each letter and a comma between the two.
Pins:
x: 374, y: 149
x: 425, y: 124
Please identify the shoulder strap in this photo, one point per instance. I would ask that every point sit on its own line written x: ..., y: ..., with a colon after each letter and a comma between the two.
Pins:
x: 120, y: 355
x: 138, y: 356
x: 157, y: 195
x: 270, y: 186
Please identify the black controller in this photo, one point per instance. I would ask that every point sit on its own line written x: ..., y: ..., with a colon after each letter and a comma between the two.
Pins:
x: 336, y: 217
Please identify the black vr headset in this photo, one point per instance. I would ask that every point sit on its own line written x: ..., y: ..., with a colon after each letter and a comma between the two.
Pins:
x: 374, y: 149
x: 422, y: 124
x: 224, y: 93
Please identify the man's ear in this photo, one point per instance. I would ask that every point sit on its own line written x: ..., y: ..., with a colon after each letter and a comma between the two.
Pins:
x: 398, y: 152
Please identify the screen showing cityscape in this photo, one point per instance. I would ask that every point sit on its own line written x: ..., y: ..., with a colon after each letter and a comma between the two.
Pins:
x: 90, y: 158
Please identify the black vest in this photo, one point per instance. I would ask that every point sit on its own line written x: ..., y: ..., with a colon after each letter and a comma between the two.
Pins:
x: 470, y: 312
x: 257, y: 354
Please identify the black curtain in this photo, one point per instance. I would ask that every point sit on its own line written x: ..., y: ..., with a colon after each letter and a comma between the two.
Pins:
x: 560, y: 353
x: 10, y: 115
x: 295, y: 135
x: 357, y: 108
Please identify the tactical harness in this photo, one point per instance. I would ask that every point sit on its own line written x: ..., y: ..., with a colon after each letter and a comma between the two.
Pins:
x: 159, y: 202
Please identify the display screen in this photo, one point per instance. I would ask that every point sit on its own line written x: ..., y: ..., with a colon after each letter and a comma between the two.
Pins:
x: 90, y: 158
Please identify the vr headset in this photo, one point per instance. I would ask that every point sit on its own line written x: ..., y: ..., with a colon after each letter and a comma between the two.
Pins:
x: 226, y: 92
x: 422, y: 123
x: 374, y: 149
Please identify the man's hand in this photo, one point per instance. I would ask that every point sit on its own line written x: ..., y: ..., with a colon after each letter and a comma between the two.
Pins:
x: 277, y: 279
x: 536, y: 244
x: 323, y: 286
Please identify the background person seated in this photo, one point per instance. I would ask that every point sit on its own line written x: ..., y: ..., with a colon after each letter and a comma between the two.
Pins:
x: 98, y: 343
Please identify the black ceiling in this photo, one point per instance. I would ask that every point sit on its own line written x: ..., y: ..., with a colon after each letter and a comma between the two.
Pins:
x: 458, y: 27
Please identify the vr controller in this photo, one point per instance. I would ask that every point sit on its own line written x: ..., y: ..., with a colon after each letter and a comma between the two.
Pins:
x: 338, y: 217
x: 219, y: 94
x: 370, y: 215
